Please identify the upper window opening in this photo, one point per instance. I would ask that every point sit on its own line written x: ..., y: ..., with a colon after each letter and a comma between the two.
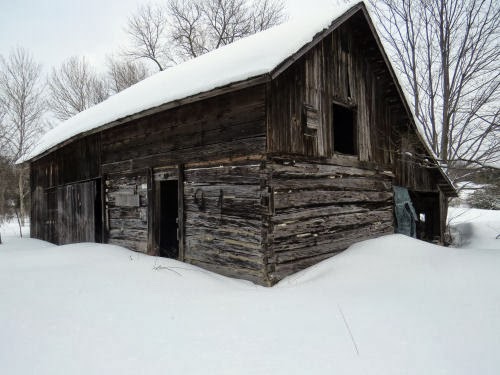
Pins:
x: 344, y: 130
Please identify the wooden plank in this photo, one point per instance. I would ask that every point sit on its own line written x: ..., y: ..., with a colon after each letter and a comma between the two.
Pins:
x: 292, y: 169
x: 327, y: 197
x: 222, y: 174
x: 334, y: 235
x: 294, y: 214
x: 181, y: 216
x: 313, y: 226
x: 333, y: 183
x: 233, y: 149
x: 129, y: 226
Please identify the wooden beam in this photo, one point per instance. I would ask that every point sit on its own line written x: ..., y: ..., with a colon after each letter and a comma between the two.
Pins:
x: 180, y: 215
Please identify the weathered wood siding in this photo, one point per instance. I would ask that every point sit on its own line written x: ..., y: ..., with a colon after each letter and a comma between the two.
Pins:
x: 65, y: 214
x: 75, y: 209
x: 345, y: 67
x: 77, y: 161
x: 223, y: 220
x: 63, y: 191
x: 319, y: 210
x: 223, y: 233
x: 226, y: 126
x: 126, y: 210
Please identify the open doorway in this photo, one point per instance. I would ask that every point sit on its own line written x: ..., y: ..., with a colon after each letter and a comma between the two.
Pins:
x: 98, y: 212
x: 427, y: 207
x: 169, y: 219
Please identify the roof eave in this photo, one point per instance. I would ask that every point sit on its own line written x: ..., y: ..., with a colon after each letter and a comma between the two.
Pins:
x: 235, y: 86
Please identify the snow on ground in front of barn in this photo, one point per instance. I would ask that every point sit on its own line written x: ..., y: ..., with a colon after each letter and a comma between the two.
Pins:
x: 393, y: 305
x: 474, y: 228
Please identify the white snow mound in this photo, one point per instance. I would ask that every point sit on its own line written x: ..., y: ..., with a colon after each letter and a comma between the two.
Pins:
x: 393, y: 305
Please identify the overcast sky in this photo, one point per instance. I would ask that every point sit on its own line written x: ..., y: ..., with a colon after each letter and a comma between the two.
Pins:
x: 54, y: 30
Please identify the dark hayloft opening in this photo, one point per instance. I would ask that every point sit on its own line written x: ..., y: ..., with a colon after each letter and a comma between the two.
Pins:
x: 344, y: 130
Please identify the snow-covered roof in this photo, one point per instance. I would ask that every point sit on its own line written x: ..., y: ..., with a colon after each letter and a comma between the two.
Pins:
x: 246, y: 58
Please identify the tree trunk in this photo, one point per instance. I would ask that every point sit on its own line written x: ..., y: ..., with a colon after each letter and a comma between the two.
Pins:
x: 21, y: 195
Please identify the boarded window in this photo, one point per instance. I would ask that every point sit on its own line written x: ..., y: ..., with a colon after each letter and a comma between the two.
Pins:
x: 310, y: 118
x: 344, y: 130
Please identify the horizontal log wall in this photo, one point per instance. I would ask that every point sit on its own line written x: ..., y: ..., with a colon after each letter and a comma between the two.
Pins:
x: 319, y: 210
x: 126, y: 210
x: 223, y: 220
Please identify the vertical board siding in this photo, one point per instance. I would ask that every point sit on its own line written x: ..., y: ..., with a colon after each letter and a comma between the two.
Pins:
x: 57, y: 179
x: 345, y: 67
x: 76, y: 216
x: 65, y: 214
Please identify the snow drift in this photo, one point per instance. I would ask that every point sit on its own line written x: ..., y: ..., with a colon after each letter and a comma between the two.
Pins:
x: 393, y: 305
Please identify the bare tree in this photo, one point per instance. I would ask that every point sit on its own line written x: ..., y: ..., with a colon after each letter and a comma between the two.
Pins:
x: 22, y: 109
x: 147, y: 30
x: 123, y: 74
x: 74, y: 87
x: 8, y: 189
x: 183, y: 30
x: 448, y: 54
x: 187, y: 32
x: 266, y: 14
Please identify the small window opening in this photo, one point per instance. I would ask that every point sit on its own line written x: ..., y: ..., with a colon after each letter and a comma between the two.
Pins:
x: 344, y: 130
x: 310, y: 120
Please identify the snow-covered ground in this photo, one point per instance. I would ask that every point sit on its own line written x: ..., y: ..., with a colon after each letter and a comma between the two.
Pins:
x: 474, y: 228
x: 393, y: 305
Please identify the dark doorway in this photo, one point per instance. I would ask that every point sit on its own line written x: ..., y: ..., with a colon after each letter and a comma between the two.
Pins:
x: 98, y: 212
x: 169, y: 213
x: 427, y: 207
x: 344, y: 130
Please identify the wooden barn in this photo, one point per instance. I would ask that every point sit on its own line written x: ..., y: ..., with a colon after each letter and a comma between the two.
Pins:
x: 254, y: 161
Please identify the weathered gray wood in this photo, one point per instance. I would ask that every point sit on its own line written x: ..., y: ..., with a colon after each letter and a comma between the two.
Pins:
x: 333, y: 183
x: 322, y: 224
x: 181, y: 221
x: 324, y: 197
x: 128, y: 225
x: 328, y: 237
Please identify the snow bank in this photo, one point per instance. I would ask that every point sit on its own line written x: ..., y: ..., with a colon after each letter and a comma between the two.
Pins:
x: 11, y: 229
x: 249, y: 57
x: 474, y: 228
x: 393, y: 305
